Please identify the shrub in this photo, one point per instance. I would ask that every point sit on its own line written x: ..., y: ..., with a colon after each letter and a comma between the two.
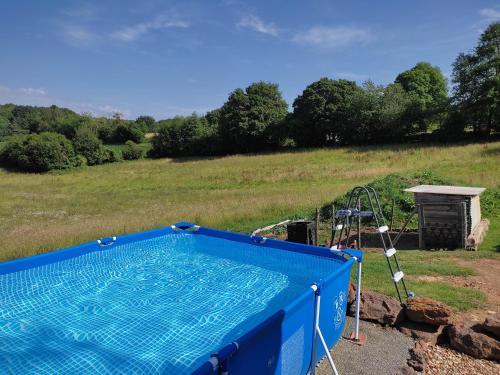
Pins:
x: 391, y: 188
x: 128, y: 132
x: 105, y: 130
x: 39, y: 152
x: 88, y: 145
x: 110, y: 155
x: 131, y: 151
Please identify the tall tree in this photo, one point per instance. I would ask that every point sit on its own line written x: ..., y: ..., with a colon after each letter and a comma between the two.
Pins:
x: 476, y: 79
x: 325, y: 111
x: 428, y: 88
x: 246, y: 116
x: 147, y: 123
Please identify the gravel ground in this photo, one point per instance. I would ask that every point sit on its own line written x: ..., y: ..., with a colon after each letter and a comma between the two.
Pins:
x: 385, y: 352
x: 445, y: 361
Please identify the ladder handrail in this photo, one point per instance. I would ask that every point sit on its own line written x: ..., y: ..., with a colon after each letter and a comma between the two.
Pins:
x: 378, y: 216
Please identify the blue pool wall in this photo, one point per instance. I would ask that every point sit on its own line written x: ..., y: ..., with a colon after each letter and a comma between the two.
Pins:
x: 282, y: 344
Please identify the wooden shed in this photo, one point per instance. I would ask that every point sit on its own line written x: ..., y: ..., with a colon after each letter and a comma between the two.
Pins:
x: 447, y: 215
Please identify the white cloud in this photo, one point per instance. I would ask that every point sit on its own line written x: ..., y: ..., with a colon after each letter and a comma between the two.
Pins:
x: 332, y: 37
x: 77, y: 35
x: 109, y: 110
x: 490, y: 14
x: 33, y: 91
x: 255, y: 23
x: 131, y: 33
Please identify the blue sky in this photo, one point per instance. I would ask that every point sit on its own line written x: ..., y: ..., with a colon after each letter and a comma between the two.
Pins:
x: 175, y: 57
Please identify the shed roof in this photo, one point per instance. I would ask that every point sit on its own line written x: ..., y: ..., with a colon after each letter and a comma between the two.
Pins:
x: 447, y: 190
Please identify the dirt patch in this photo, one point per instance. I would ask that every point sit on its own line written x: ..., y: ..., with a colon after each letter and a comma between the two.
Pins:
x: 487, y: 281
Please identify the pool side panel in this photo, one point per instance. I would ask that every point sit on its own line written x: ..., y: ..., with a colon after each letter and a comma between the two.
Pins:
x: 82, y: 249
x: 334, y: 290
x: 279, y: 345
x: 282, y: 344
x: 77, y: 250
x: 271, y: 243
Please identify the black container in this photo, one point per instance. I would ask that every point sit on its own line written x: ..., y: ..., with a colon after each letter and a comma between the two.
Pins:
x: 302, y: 232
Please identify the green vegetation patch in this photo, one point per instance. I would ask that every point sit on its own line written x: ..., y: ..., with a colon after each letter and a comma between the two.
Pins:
x: 376, y: 276
x: 390, y: 189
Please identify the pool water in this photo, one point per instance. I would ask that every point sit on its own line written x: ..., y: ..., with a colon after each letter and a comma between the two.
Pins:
x: 160, y: 305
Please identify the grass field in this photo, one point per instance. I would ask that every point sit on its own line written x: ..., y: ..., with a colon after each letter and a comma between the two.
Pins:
x: 44, y: 212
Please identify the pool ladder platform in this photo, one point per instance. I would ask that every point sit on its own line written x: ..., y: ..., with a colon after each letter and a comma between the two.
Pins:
x: 352, y: 215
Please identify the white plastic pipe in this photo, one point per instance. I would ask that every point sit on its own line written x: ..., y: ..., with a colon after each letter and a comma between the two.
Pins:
x: 358, y: 295
x: 318, y: 330
x: 314, y: 287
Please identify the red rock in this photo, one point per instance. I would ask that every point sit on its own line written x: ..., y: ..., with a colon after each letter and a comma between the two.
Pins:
x: 417, y: 358
x: 492, y: 325
x: 379, y: 308
x: 468, y: 338
x: 426, y: 310
x: 422, y: 331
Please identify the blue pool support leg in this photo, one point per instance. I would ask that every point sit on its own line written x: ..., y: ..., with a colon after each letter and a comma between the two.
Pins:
x: 317, y: 333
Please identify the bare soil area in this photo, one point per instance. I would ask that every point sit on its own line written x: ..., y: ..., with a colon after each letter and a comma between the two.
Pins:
x: 487, y: 281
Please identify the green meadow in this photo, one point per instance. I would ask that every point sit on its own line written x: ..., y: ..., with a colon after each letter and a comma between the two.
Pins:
x: 43, y: 212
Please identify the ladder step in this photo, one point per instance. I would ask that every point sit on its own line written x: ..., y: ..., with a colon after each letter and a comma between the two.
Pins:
x: 365, y: 213
x: 390, y: 252
x: 353, y: 212
x: 343, y: 213
x: 398, y: 276
x: 383, y: 228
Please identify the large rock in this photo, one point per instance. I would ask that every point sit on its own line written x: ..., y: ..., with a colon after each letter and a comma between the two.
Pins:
x: 417, y: 357
x: 426, y: 310
x: 492, y: 325
x: 376, y: 307
x: 426, y: 332
x: 469, y: 338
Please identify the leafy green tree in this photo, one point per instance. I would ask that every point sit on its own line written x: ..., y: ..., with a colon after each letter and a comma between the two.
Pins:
x: 184, y: 136
x: 88, y: 145
x: 246, y: 116
x: 105, y: 129
x: 476, y: 79
x: 110, y: 155
x: 213, y: 117
x: 146, y: 123
x: 128, y: 131
x: 325, y: 111
x: 428, y: 89
x: 26, y: 119
x: 39, y: 152
x: 4, y: 126
x: 392, y: 114
x: 131, y: 151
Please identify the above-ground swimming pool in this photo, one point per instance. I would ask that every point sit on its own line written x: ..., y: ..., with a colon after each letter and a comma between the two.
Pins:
x: 180, y: 299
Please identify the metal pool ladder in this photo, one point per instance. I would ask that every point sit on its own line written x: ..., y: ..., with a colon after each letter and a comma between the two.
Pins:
x: 352, y: 214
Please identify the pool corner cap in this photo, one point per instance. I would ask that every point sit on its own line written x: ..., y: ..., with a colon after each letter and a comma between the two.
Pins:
x: 358, y: 254
x: 258, y: 239
x: 185, y: 225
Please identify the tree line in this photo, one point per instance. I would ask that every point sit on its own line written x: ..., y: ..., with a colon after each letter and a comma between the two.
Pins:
x: 329, y: 112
